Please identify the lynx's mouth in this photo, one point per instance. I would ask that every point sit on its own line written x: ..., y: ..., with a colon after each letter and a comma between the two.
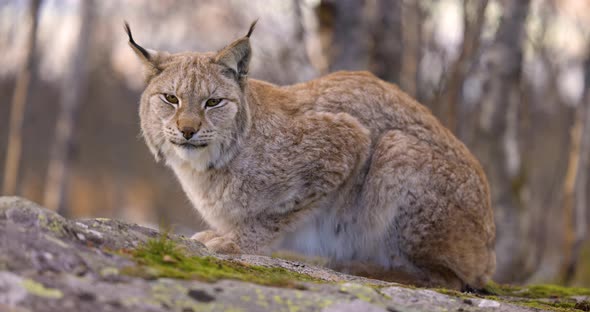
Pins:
x: 190, y: 145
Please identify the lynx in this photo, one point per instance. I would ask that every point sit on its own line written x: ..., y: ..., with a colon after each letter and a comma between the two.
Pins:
x: 346, y: 167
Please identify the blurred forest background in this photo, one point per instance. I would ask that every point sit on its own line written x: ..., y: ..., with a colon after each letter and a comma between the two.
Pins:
x: 510, y: 78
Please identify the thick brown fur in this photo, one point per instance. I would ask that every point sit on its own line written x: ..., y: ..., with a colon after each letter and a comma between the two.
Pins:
x: 346, y: 167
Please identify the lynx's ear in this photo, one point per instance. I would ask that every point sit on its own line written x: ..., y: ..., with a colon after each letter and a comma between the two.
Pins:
x: 151, y: 59
x: 236, y: 56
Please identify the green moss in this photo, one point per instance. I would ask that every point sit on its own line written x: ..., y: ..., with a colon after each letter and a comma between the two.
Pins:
x: 162, y: 257
x: 549, y: 306
x: 545, y: 297
x: 38, y: 289
x: 536, y: 291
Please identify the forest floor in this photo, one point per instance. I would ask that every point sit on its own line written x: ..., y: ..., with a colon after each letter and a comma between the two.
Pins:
x: 49, y: 263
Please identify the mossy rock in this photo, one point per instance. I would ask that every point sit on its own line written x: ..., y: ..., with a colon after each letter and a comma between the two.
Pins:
x: 49, y: 263
x: 162, y: 257
x: 536, y: 291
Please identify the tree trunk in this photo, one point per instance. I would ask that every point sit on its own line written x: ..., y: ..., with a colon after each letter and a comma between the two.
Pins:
x: 497, y: 144
x: 548, y: 134
x: 574, y: 204
x: 350, y: 38
x: 473, y: 21
x: 387, y: 40
x: 413, y: 17
x: 19, y: 100
x: 74, y: 83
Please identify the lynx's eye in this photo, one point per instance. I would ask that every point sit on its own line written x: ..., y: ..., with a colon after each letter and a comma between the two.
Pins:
x: 212, y: 102
x: 172, y: 99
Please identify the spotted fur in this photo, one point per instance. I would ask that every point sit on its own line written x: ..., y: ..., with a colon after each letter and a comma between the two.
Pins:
x: 346, y: 167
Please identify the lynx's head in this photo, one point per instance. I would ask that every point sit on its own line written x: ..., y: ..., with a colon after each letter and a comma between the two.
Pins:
x: 194, y: 108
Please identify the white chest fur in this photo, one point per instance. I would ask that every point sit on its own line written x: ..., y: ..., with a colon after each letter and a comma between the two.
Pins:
x: 210, y: 199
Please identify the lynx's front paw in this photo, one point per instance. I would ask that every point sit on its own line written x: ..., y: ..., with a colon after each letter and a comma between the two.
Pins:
x: 223, y: 245
x: 205, y: 236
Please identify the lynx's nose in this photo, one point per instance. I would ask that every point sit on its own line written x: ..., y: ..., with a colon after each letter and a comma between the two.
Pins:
x: 188, y: 132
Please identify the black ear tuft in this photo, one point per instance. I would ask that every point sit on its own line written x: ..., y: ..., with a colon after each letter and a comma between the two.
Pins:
x: 252, y: 26
x: 141, y: 50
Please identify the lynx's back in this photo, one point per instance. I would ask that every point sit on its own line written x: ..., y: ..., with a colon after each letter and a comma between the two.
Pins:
x: 412, y: 159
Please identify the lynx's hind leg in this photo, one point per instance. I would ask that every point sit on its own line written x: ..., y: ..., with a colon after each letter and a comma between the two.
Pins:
x: 429, y: 206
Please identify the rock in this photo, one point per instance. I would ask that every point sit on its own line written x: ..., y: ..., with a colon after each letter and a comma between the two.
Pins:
x: 48, y: 263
